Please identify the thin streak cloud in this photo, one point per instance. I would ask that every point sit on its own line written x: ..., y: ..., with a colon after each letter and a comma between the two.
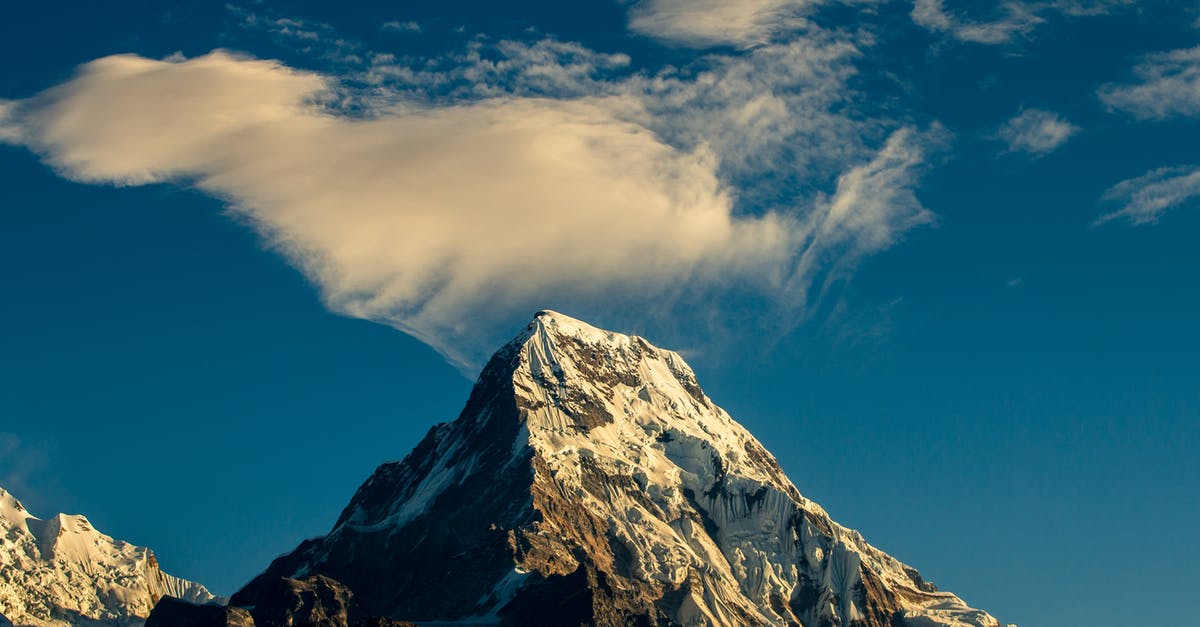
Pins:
x: 1167, y: 84
x: 1008, y: 22
x: 704, y: 23
x: 1144, y: 199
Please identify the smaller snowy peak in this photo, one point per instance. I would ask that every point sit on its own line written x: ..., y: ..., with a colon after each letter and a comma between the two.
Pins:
x: 13, y: 515
x: 71, y: 538
x: 63, y: 571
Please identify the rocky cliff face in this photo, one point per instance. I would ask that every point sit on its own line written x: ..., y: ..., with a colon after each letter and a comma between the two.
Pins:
x: 62, y: 571
x: 590, y: 480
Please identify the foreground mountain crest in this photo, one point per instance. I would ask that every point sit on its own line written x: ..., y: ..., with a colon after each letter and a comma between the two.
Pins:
x: 62, y: 571
x: 590, y: 480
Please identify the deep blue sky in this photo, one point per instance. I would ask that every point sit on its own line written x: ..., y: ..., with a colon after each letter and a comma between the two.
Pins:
x: 1007, y: 398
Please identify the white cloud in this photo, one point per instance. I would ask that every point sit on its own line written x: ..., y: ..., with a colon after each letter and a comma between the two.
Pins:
x: 10, y: 131
x: 702, y: 23
x: 1008, y: 21
x: 781, y: 119
x: 778, y: 117
x: 401, y: 27
x: 874, y: 204
x: 545, y: 67
x: 1036, y: 132
x: 1016, y: 19
x: 310, y: 37
x: 1143, y: 200
x: 448, y: 221
x: 784, y: 111
x: 1168, y: 84
x: 747, y: 23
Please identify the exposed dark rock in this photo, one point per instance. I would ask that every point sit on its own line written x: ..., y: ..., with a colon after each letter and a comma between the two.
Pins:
x: 919, y: 581
x: 876, y: 602
x: 172, y: 612
x: 554, y: 600
x: 316, y: 600
x: 381, y: 622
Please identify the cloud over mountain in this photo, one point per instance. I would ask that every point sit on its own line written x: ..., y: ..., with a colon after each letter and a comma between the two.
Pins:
x: 435, y: 218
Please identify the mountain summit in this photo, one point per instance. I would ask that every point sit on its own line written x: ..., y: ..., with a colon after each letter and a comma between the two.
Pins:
x: 590, y: 480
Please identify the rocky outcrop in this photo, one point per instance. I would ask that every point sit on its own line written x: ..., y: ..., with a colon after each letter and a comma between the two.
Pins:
x: 173, y: 612
x: 315, y: 601
x: 589, y: 480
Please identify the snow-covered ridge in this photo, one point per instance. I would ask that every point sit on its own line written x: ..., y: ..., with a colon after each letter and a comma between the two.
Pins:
x: 62, y: 571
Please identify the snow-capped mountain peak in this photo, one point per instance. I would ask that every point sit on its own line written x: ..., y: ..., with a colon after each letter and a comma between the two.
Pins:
x: 590, y: 479
x: 63, y: 571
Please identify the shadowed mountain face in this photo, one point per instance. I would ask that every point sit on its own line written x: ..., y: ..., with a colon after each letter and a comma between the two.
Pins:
x: 590, y: 480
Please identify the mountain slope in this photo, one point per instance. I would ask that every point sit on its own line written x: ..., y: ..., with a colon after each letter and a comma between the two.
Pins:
x: 590, y: 480
x: 62, y: 571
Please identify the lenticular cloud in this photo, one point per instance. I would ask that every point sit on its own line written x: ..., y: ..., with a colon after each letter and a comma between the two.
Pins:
x: 441, y: 221
x: 416, y: 219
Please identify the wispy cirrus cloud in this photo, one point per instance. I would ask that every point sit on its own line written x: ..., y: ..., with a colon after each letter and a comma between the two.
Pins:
x: 1145, y: 199
x: 1036, y: 132
x: 447, y: 218
x: 485, y: 69
x: 873, y: 205
x: 313, y: 38
x: 703, y: 23
x: 748, y: 23
x: 784, y: 111
x: 1006, y: 21
x: 397, y: 26
x: 1016, y: 18
x: 1166, y: 84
